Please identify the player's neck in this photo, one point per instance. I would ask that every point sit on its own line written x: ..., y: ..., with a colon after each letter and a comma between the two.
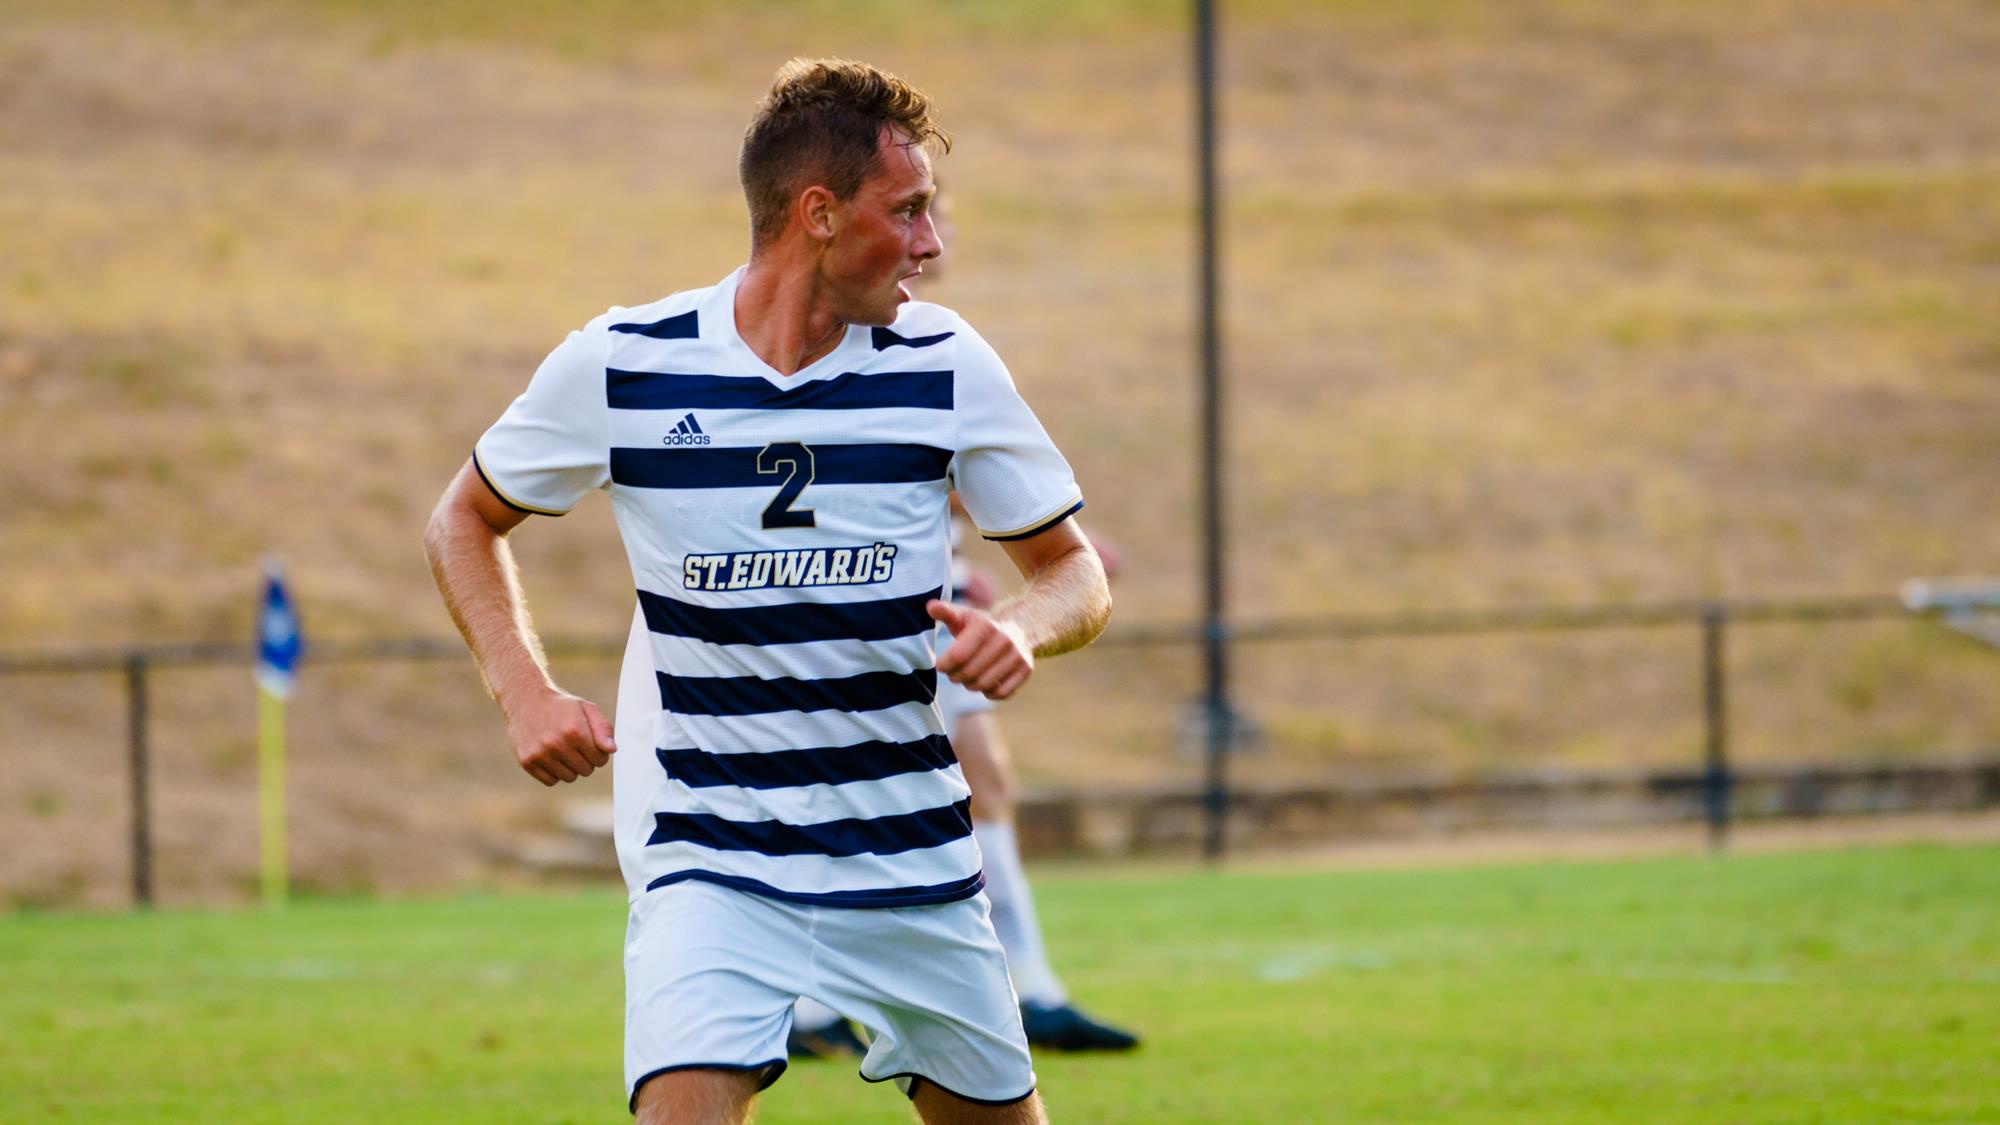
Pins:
x: 781, y: 317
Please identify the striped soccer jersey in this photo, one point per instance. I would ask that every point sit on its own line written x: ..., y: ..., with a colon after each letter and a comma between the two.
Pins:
x: 784, y: 534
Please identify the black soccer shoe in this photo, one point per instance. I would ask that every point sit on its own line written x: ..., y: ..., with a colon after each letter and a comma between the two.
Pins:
x: 1061, y: 1027
x: 836, y: 1040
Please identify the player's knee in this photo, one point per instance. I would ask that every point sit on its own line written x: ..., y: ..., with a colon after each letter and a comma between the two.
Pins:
x: 992, y: 794
x: 937, y: 1106
x: 696, y: 1096
x: 996, y: 801
x: 983, y: 758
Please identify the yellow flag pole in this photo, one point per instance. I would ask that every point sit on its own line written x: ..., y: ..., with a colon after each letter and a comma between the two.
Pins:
x: 271, y: 793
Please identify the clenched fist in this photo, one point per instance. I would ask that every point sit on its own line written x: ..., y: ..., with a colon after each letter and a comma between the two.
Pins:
x: 987, y: 655
x: 559, y: 737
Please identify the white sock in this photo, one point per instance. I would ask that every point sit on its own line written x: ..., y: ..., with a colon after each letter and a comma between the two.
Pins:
x: 811, y: 1015
x: 1014, y: 915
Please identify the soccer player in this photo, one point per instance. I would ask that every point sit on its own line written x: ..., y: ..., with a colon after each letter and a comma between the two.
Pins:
x: 1049, y: 1017
x: 778, y: 448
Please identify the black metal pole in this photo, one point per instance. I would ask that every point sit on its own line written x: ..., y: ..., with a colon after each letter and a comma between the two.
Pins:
x: 1216, y: 700
x: 142, y: 819
x: 1715, y: 777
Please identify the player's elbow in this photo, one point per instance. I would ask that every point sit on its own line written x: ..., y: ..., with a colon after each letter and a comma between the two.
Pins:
x: 1100, y: 613
x: 1093, y: 613
x: 1094, y: 608
x: 1100, y: 600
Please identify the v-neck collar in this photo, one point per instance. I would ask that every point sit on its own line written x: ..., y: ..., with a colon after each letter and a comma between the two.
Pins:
x: 721, y: 312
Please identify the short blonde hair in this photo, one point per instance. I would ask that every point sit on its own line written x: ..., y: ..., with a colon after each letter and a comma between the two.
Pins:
x: 820, y: 124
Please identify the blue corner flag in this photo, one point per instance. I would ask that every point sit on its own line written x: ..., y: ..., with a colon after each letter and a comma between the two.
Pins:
x: 278, y: 639
x: 278, y: 647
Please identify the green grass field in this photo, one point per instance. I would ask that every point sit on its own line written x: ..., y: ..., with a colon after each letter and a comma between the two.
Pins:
x: 1857, y: 986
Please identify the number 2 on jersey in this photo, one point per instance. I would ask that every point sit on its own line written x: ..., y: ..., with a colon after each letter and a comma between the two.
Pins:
x: 795, y: 460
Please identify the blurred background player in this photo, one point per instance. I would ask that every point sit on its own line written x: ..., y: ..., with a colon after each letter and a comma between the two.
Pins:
x: 1050, y: 1019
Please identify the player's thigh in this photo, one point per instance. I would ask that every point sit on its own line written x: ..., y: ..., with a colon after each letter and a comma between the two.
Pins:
x: 697, y: 1096
x: 710, y: 977
x: 938, y: 1106
x: 989, y: 769
x: 931, y: 983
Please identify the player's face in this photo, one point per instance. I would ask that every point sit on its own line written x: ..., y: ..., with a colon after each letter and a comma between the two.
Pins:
x: 885, y: 237
x: 940, y: 222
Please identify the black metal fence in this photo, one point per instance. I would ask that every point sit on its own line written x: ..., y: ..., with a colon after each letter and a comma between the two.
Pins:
x: 1712, y: 619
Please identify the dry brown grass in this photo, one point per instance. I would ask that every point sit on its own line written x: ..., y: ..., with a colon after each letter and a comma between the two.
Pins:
x: 1554, y: 301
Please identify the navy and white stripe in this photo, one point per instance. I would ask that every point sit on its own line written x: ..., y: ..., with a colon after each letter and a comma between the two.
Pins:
x: 736, y: 466
x: 818, y: 765
x: 883, y: 339
x: 800, y: 751
x: 950, y: 891
x: 789, y: 623
x: 852, y: 390
x: 680, y: 326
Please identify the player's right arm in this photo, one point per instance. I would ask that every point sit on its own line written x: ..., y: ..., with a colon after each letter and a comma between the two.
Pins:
x: 556, y: 736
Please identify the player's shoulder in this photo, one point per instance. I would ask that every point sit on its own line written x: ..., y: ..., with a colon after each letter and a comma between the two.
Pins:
x: 674, y: 316
x: 927, y: 329
x: 927, y: 318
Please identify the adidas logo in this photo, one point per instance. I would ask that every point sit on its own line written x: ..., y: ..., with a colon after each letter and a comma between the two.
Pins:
x: 686, y: 432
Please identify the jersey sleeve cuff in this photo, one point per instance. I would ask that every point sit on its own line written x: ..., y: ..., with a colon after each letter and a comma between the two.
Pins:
x: 1028, y: 531
x: 501, y: 493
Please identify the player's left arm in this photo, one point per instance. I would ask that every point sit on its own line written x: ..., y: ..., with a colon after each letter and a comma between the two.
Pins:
x: 1063, y: 607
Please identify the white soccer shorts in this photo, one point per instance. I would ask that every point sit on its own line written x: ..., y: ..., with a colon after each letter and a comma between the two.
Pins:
x: 711, y: 974
x: 955, y: 702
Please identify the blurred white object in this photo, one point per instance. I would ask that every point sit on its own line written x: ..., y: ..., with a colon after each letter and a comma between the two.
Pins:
x: 1968, y: 605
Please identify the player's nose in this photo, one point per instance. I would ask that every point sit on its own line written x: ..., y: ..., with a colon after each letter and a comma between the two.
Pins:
x: 927, y: 245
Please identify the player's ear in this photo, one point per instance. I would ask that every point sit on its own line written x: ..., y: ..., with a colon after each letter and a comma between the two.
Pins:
x: 818, y: 213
